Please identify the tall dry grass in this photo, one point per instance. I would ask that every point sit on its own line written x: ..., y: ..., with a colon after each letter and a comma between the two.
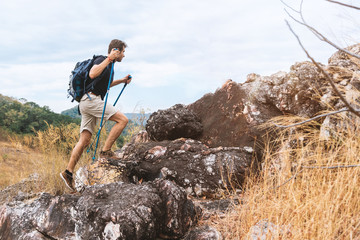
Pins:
x: 302, y: 200
x: 47, y: 154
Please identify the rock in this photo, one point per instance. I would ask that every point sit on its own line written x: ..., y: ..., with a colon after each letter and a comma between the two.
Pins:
x: 128, y: 211
x: 175, y: 122
x: 264, y: 230
x: 44, y: 217
x: 20, y: 191
x: 200, y: 170
x: 334, y: 126
x: 227, y: 117
x: 203, y: 233
x: 215, y: 207
x: 343, y: 60
x: 140, y: 137
x: 109, y: 211
x: 104, y: 171
x: 231, y: 116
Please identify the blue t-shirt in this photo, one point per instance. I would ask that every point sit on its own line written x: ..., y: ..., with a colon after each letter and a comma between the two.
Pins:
x: 102, y: 80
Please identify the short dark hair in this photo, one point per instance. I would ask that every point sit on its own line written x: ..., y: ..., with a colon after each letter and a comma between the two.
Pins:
x: 116, y: 43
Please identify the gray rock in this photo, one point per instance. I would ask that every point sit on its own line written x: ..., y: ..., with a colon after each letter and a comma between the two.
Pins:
x: 109, y: 211
x: 43, y: 217
x: 264, y: 230
x: 203, y: 233
x: 200, y: 170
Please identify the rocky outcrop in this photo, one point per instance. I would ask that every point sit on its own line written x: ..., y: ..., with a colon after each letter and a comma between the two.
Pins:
x: 231, y: 115
x: 47, y: 217
x: 111, y: 211
x: 175, y: 122
x: 200, y: 170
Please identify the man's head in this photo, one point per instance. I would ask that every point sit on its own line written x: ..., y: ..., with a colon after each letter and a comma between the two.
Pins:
x: 115, y: 43
x: 120, y: 45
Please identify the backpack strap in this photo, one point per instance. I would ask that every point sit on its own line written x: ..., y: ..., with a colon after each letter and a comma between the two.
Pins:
x: 90, y: 86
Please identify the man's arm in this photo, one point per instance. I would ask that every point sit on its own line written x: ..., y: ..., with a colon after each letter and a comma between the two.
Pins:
x: 96, y: 70
x: 121, y: 80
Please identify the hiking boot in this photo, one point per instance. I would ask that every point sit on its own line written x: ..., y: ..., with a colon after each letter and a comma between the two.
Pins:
x: 108, y: 154
x: 68, y: 179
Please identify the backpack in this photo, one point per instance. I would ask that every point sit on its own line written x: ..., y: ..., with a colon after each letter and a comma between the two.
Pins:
x: 79, y: 80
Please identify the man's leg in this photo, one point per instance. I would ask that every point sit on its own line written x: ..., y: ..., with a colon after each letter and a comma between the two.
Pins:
x: 67, y: 175
x: 84, y: 141
x: 121, y: 122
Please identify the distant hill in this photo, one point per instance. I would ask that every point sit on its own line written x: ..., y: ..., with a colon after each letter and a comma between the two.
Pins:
x: 23, y: 117
x: 73, y: 112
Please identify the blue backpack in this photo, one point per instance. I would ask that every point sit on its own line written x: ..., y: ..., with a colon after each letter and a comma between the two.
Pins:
x: 79, y: 80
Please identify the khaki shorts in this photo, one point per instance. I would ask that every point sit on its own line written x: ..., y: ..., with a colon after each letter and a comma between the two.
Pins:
x: 91, y: 112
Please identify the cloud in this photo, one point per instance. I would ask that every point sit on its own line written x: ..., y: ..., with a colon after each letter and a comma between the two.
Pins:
x: 35, y: 81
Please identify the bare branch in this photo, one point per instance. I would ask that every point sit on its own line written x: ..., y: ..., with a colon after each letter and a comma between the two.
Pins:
x: 330, y: 80
x: 311, y: 119
x: 320, y: 36
x: 343, y: 4
x: 286, y: 5
x: 314, y: 167
x: 331, y: 167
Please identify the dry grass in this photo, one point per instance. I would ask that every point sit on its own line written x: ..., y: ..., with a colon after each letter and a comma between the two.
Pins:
x: 45, y: 154
x: 318, y: 203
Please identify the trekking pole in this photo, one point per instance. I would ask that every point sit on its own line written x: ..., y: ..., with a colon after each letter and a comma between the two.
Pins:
x: 102, y: 117
x: 98, y: 133
x: 120, y: 93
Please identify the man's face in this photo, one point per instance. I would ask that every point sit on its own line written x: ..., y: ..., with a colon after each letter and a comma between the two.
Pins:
x: 120, y: 55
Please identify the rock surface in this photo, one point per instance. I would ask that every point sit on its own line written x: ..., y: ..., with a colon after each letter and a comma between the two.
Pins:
x: 231, y: 116
x: 203, y: 233
x: 175, y: 122
x: 46, y: 216
x: 189, y: 163
x: 111, y: 211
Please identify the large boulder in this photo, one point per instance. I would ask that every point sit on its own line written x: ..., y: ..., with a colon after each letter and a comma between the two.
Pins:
x: 232, y: 115
x: 129, y: 211
x: 189, y: 163
x: 229, y: 118
x: 108, y: 211
x: 47, y: 217
x: 175, y: 122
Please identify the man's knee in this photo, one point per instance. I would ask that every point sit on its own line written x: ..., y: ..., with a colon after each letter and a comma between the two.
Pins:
x: 126, y: 120
x: 119, y: 118
x: 85, y: 138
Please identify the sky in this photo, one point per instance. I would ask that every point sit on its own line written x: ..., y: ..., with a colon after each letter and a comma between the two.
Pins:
x: 178, y: 50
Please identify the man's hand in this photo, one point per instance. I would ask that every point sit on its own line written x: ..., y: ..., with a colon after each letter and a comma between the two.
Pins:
x: 126, y: 80
x: 114, y: 54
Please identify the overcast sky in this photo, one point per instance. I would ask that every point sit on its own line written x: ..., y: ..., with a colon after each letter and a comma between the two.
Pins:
x: 178, y: 50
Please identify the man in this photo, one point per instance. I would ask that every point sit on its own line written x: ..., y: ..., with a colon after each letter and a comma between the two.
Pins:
x: 91, y: 107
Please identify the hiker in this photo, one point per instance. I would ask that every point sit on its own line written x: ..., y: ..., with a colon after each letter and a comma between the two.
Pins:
x: 91, y: 108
